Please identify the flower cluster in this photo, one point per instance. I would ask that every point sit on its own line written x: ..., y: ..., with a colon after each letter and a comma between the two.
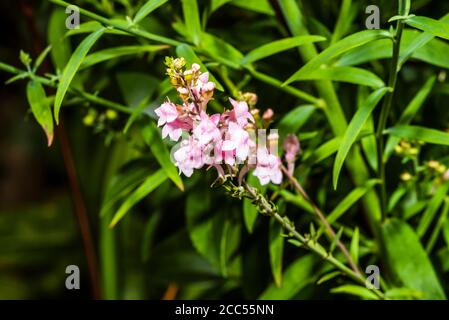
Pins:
x: 224, y: 141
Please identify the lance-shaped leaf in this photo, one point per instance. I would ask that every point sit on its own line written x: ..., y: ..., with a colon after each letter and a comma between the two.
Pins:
x: 279, y: 46
x: 344, y: 74
x: 72, y: 67
x: 353, y: 41
x: 353, y: 130
x: 420, y: 133
x: 407, y: 261
x: 192, y: 20
x: 117, y: 52
x: 40, y: 108
x: 150, y: 184
x: 147, y: 8
x: 435, y: 27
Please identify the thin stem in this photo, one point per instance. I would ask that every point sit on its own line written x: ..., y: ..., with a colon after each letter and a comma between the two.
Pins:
x: 307, y: 243
x: 85, y: 95
x: 386, y: 108
x: 323, y: 220
x: 153, y: 37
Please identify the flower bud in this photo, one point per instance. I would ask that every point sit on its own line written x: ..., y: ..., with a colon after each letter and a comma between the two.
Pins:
x: 406, y: 176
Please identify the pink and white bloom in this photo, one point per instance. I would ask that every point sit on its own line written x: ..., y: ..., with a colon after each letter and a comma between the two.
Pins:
x: 167, y: 112
x: 238, y: 140
x: 241, y: 113
x: 189, y: 156
x: 207, y: 130
x: 268, y: 167
x: 173, y: 130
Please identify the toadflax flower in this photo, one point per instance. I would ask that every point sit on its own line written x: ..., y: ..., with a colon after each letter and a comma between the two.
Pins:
x: 268, y: 167
x: 292, y: 148
x: 225, y: 141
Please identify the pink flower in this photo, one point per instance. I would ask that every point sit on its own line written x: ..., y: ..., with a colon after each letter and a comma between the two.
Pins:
x: 238, y: 141
x: 291, y: 147
x: 172, y: 129
x: 241, y: 113
x: 268, y: 168
x: 167, y: 112
x: 207, y: 130
x: 189, y: 156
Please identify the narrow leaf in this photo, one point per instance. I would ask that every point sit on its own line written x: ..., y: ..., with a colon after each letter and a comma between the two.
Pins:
x: 147, y: 8
x: 192, y: 20
x: 353, y: 130
x: 342, y: 46
x: 420, y: 133
x: 151, y: 183
x: 344, y: 74
x: 279, y: 46
x: 407, y: 260
x: 40, y: 108
x: 72, y: 67
x: 435, y: 27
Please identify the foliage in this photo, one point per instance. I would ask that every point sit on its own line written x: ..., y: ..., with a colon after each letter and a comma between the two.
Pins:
x: 368, y: 107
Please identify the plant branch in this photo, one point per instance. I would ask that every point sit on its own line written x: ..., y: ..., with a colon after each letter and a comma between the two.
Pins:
x: 134, y: 30
x: 310, y: 244
x: 322, y: 218
x: 80, y: 93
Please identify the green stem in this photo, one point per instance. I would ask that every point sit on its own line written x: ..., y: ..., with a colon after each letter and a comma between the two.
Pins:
x: 385, y: 111
x: 80, y: 93
x: 310, y: 244
x: 153, y: 37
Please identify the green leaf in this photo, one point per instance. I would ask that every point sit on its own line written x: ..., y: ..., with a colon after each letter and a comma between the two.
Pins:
x: 215, y: 237
x: 353, y: 130
x: 260, y: 6
x: 40, y: 108
x: 353, y: 41
x: 407, y: 260
x: 410, y: 112
x: 61, y: 50
x: 221, y: 51
x: 297, y: 276
x: 418, y: 42
x: 147, y: 8
x: 113, y: 53
x: 216, y: 4
x: 276, y: 249
x: 435, y: 27
x: 136, y: 87
x: 328, y: 276
x: 150, y: 184
x: 192, y: 20
x: 357, y: 291
x: 295, y: 119
x: 344, y: 20
x: 344, y: 74
x: 154, y: 140
x: 41, y: 58
x: 420, y: 133
x: 72, y: 67
x: 354, y: 196
x: 432, y: 208
x: 190, y: 56
x: 279, y: 46
x: 354, y: 247
x: 123, y: 182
